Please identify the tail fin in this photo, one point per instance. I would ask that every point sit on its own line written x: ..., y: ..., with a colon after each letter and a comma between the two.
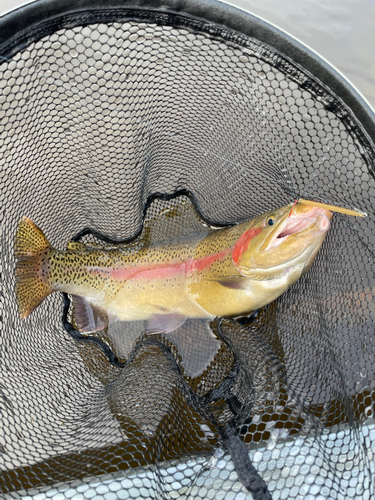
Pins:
x: 31, y: 253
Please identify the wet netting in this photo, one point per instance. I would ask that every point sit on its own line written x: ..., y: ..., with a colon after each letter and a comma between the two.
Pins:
x: 115, y: 122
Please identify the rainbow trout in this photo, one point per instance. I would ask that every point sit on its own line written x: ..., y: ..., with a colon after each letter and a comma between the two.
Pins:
x: 227, y: 272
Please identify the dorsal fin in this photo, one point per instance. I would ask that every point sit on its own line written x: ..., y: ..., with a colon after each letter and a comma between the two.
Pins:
x: 76, y: 245
x: 179, y: 220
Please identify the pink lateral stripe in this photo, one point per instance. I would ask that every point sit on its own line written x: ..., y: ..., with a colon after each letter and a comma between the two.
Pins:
x: 156, y: 272
x: 161, y: 271
x: 198, y: 265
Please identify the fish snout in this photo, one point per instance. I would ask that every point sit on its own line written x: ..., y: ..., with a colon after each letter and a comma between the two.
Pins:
x: 301, y: 225
x: 324, y: 220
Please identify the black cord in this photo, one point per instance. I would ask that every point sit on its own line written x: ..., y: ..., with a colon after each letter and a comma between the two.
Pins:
x: 246, y: 472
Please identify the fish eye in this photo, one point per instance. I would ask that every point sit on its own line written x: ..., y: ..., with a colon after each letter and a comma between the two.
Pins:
x: 271, y: 221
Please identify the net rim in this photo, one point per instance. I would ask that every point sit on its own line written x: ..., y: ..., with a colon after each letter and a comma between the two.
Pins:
x: 21, y: 27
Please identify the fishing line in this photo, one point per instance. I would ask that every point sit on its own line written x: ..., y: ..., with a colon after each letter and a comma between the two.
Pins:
x: 355, y: 230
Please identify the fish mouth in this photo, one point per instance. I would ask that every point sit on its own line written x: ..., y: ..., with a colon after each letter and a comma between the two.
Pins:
x: 317, y: 218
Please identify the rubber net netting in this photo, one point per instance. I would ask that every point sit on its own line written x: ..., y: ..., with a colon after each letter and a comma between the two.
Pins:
x: 116, y: 126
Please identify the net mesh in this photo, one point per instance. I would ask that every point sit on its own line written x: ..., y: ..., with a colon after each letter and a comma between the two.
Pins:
x: 105, y: 125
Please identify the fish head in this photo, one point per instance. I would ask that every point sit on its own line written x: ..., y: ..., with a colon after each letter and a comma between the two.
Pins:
x: 282, y: 241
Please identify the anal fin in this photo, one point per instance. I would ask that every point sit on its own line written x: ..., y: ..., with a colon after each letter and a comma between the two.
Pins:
x: 88, y: 317
x: 165, y: 323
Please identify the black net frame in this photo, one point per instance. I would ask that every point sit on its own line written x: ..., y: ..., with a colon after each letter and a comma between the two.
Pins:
x: 295, y: 381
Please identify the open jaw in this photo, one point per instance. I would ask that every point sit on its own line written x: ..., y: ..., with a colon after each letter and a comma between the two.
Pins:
x: 293, y: 225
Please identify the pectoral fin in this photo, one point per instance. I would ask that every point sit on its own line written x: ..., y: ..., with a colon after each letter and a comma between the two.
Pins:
x: 158, y: 323
x: 235, y: 282
x: 89, y: 318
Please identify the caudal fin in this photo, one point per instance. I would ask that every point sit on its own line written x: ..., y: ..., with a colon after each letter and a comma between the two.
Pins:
x: 31, y: 253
